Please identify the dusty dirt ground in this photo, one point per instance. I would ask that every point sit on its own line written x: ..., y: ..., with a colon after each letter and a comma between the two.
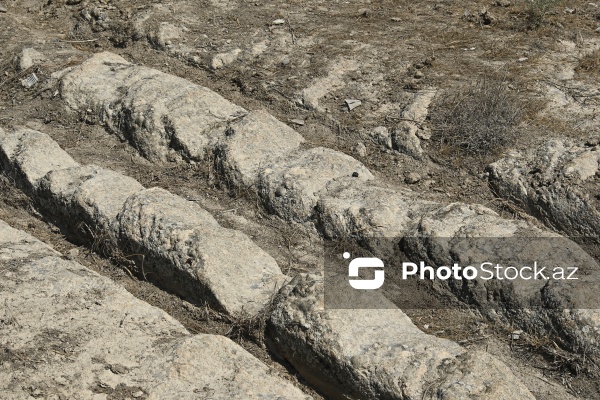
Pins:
x: 378, y: 52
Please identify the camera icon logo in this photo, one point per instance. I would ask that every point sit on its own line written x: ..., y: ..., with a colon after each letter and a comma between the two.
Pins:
x: 365, y: 262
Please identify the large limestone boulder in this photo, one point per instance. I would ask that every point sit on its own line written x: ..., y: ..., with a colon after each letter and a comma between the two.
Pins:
x: 197, y: 257
x: 159, y: 113
x: 27, y: 155
x: 292, y: 187
x: 375, y: 354
x: 68, y: 332
x: 555, y: 182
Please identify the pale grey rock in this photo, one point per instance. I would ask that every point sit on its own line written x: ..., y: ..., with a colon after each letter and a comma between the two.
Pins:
x: 322, y: 86
x: 552, y: 183
x: 252, y: 143
x: 160, y: 113
x: 375, y: 354
x: 382, y: 136
x: 222, y: 60
x: 29, y: 57
x: 190, y: 253
x: 305, y: 176
x: 405, y: 140
x: 412, y: 178
x: 353, y: 209
x: 473, y: 234
x: 71, y: 333
x: 360, y: 149
x: 88, y: 194
x: 406, y: 136
x: 27, y: 155
x: 165, y: 35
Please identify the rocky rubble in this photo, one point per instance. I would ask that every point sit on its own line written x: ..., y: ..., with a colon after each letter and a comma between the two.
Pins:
x: 68, y: 332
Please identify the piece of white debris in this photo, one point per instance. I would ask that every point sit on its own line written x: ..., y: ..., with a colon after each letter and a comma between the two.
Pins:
x: 516, y: 335
x: 279, y: 21
x: 29, y: 81
x: 352, y: 104
x: 523, y: 59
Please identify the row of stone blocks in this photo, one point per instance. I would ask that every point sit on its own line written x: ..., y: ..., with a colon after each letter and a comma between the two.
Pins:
x: 355, y: 353
x: 168, y: 118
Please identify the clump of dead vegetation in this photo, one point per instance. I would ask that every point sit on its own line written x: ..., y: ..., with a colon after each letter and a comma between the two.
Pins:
x: 537, y: 10
x: 480, y: 120
x: 590, y: 63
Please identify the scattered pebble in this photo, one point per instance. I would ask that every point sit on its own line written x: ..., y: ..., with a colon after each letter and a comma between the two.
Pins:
x: 73, y: 254
x: 355, y: 174
x: 503, y: 3
x: 523, y: 59
x: 280, y: 192
x: 3, y: 9
x: 352, y: 104
x: 570, y: 10
x: 360, y: 149
x: 412, y: 178
x: 279, y: 21
x: 297, y: 122
x: 515, y: 335
x: 396, y: 19
x: 418, y: 75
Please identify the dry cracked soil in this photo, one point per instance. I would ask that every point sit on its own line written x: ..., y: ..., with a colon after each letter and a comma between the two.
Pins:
x: 485, y: 110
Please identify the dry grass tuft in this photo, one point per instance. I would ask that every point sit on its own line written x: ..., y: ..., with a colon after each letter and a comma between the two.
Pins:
x: 590, y: 63
x: 478, y: 121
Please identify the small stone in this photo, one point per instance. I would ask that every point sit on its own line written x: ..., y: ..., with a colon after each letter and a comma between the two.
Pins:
x: 412, y: 178
x: 355, y: 174
x: 396, y: 19
x: 3, y: 9
x: 360, y: 149
x: 73, y: 2
x: 280, y: 192
x: 364, y: 12
x: 381, y: 135
x: 29, y: 57
x: 279, y: 21
x: 352, y: 104
x: 570, y: 10
x: 297, y: 122
x: 73, y: 254
x: 503, y: 3
x: 138, y: 394
x: 418, y: 75
x: 118, y: 369
x: 523, y: 59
